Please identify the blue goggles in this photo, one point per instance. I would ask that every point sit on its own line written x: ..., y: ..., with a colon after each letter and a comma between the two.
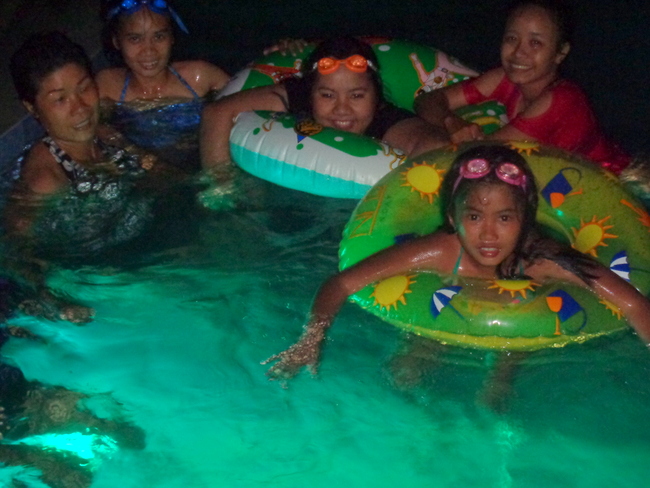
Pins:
x: 129, y: 7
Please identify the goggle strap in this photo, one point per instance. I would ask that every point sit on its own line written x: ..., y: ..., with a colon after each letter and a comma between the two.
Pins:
x: 163, y: 6
x: 177, y: 19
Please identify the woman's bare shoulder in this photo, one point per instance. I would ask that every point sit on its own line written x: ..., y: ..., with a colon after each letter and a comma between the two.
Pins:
x: 41, y: 173
x: 110, y: 82
x: 202, y: 75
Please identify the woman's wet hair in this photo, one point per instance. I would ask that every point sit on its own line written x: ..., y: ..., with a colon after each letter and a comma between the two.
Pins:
x: 560, y: 11
x: 41, y: 55
x: 337, y: 48
x: 531, y: 245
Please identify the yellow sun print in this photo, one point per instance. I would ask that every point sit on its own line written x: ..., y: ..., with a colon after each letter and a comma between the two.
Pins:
x: 424, y: 178
x: 612, y: 308
x: 592, y: 235
x: 514, y: 286
x: 523, y: 147
x: 644, y: 217
x: 392, y: 290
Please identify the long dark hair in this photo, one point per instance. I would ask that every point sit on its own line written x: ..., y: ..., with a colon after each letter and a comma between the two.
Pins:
x: 531, y: 244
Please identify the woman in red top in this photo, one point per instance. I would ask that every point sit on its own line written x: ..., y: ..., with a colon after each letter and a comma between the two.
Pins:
x: 540, y: 105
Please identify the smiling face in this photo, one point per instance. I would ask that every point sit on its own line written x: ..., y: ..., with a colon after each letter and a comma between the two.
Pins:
x: 145, y: 40
x: 67, y: 105
x: 344, y: 100
x: 531, y: 50
x: 488, y: 223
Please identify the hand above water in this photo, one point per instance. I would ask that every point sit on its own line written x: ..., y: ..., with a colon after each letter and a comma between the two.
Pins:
x: 305, y: 352
x: 287, y: 46
x: 462, y: 131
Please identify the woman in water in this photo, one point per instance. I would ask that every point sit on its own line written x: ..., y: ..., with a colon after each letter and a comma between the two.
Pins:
x: 490, y: 201
x: 541, y: 106
x: 154, y: 102
x: 339, y: 87
x: 74, y: 195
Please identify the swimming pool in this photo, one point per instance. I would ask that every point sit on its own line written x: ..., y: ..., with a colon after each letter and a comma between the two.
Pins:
x: 177, y: 343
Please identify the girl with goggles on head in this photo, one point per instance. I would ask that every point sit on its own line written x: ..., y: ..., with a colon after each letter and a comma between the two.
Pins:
x: 490, y: 201
x: 541, y: 106
x: 339, y: 87
x: 141, y: 32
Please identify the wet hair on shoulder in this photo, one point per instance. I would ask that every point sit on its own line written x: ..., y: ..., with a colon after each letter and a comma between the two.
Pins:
x: 568, y: 258
x: 41, y: 55
x: 561, y: 11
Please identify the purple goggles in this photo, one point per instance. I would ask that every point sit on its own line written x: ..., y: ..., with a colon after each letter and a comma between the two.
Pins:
x: 129, y: 7
x: 478, y: 168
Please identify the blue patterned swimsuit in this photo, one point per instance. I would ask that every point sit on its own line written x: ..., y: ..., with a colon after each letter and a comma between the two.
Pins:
x: 169, y: 130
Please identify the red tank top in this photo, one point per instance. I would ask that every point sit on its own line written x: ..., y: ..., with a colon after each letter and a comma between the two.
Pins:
x: 569, y: 123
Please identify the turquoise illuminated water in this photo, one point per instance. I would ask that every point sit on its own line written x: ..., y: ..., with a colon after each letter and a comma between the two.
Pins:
x: 178, y: 345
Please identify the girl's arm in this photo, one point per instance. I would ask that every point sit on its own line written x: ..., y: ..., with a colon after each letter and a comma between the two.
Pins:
x: 608, y: 286
x: 437, y: 107
x: 426, y: 252
x: 414, y: 136
x: 217, y: 120
x: 635, y: 306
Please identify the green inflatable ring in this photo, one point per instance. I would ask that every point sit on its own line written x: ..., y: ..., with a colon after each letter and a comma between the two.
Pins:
x: 580, y: 204
x: 320, y: 160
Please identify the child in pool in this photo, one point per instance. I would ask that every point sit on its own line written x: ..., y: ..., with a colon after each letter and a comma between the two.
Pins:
x: 155, y: 103
x: 339, y: 87
x: 541, y: 106
x: 490, y: 200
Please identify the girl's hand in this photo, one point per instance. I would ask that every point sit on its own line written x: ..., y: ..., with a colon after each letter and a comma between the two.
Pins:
x: 147, y: 162
x: 291, y: 46
x: 461, y: 131
x: 305, y: 352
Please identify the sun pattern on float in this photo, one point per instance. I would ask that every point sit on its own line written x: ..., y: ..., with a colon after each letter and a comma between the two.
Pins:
x: 424, y: 178
x: 644, y: 217
x: 612, y: 308
x: 514, y: 286
x: 392, y: 290
x: 591, y: 235
x: 524, y: 147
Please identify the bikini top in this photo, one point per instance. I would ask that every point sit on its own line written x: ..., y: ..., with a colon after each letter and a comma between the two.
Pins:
x: 83, y: 180
x: 127, y: 79
x: 168, y: 128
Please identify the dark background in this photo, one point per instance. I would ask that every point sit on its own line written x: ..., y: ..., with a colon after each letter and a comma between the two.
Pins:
x: 610, y: 54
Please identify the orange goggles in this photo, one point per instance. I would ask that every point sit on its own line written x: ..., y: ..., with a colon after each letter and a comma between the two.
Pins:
x: 356, y: 63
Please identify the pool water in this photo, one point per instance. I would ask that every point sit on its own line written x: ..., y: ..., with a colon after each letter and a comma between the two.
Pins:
x: 177, y: 343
